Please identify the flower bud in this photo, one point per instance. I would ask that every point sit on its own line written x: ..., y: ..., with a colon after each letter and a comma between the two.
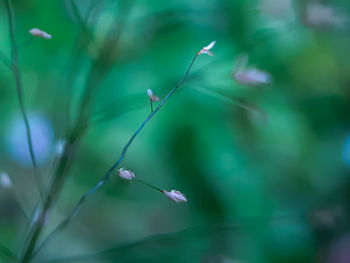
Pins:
x: 125, y: 174
x: 252, y: 76
x: 5, y: 180
x: 36, y: 32
x: 206, y: 50
x: 176, y: 196
x: 249, y: 76
x: 152, y: 97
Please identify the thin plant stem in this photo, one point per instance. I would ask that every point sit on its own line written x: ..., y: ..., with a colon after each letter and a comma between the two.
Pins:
x: 81, y: 43
x: 188, y: 233
x: 191, y: 232
x: 20, y: 202
x: 81, y: 20
x: 107, y: 175
x: 234, y: 101
x: 147, y: 184
x: 6, y: 61
x: 17, y: 76
x: 151, y: 103
x: 95, y: 77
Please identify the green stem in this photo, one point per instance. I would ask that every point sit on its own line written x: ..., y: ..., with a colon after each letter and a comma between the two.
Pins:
x: 107, y: 175
x: 17, y: 76
x: 147, y: 184
x: 95, y: 76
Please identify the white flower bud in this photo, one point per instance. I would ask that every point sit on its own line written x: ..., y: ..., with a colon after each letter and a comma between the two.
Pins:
x: 151, y: 96
x: 176, y: 196
x: 125, y: 174
x: 36, y: 32
x: 206, y: 50
x: 5, y: 180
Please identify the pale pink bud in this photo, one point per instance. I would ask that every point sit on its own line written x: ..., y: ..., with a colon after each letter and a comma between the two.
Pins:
x: 151, y: 96
x: 176, y: 196
x: 322, y: 15
x: 252, y: 76
x: 249, y: 76
x: 5, y: 180
x: 36, y: 32
x: 125, y: 174
x: 206, y: 50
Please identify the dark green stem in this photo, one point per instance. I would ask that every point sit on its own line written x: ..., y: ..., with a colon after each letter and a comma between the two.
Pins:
x: 17, y: 76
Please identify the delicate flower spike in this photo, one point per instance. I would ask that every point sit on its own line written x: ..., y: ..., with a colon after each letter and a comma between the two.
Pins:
x: 151, y: 96
x: 5, y: 180
x: 206, y: 50
x: 125, y: 174
x: 176, y: 196
x: 36, y: 32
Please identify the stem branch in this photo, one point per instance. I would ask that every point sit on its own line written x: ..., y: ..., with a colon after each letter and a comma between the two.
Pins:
x: 107, y: 175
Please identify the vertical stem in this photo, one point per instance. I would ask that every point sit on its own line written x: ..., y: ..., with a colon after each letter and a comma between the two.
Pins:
x: 95, y: 76
x: 54, y: 188
x: 17, y: 76
x: 151, y: 102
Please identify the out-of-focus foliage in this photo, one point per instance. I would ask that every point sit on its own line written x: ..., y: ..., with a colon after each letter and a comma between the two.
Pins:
x: 265, y: 168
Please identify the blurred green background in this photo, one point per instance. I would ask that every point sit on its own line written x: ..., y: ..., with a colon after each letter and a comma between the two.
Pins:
x: 265, y: 168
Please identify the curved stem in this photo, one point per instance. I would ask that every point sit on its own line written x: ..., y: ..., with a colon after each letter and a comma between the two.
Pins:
x: 17, y: 76
x: 107, y: 175
x: 199, y: 231
x: 97, y: 71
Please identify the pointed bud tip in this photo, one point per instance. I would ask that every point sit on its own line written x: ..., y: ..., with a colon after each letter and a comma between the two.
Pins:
x: 211, y: 45
x: 206, y: 50
x: 149, y: 92
x: 151, y: 96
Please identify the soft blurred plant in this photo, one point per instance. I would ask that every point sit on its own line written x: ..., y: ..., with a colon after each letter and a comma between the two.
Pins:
x: 261, y: 167
x: 102, y: 63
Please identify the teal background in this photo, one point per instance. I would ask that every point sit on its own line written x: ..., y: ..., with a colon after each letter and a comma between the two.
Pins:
x: 265, y: 169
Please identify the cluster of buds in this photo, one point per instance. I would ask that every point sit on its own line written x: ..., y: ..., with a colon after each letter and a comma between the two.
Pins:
x: 249, y: 76
x: 36, y: 32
